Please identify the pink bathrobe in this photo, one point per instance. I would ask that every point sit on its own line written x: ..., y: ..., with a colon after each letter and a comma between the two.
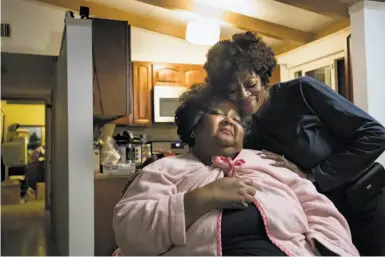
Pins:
x: 150, y: 220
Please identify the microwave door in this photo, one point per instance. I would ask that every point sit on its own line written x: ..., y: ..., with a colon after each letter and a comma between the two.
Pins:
x: 167, y: 107
x: 166, y: 101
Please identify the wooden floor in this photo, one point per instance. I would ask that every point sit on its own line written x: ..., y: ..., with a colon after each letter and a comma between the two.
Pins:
x: 25, y: 230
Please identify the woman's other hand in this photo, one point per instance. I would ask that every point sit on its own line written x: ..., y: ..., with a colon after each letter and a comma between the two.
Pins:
x: 281, y: 161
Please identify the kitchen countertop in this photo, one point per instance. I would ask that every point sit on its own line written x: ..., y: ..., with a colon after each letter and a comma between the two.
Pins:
x: 106, y: 176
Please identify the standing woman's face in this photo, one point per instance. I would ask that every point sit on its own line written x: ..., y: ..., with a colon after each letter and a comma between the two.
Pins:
x: 220, y: 131
x: 247, y: 91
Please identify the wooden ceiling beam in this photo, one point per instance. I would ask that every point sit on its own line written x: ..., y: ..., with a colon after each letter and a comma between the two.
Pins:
x: 237, y: 20
x: 330, y: 8
x: 106, y: 12
x: 285, y: 47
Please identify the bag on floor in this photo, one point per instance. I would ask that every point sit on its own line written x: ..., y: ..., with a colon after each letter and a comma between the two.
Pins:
x: 368, y: 185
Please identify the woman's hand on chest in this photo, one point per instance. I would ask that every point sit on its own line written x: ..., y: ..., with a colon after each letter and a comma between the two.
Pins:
x: 229, y: 193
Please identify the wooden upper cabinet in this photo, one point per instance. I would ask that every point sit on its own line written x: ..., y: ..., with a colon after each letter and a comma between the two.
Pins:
x: 146, y: 75
x: 275, y: 76
x: 193, y: 74
x: 178, y: 74
x: 142, y: 72
x: 111, y: 67
x: 167, y: 74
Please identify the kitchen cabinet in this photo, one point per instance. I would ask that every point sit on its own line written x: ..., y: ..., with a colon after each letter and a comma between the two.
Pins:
x: 178, y: 74
x: 146, y: 75
x: 142, y: 96
x: 275, y: 76
x: 112, y: 68
x: 193, y: 74
x: 142, y: 93
x: 167, y: 74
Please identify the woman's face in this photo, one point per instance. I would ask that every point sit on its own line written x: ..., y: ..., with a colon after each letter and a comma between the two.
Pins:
x: 247, y: 91
x: 220, y: 131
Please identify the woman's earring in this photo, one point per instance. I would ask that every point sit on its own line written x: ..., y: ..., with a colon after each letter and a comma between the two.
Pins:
x: 192, y: 134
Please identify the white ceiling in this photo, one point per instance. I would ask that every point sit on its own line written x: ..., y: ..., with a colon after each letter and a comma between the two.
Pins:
x: 275, y: 12
x: 175, y: 17
x: 268, y: 10
x: 183, y: 17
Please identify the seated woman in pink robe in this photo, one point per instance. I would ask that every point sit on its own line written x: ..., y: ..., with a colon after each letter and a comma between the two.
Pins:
x: 220, y: 199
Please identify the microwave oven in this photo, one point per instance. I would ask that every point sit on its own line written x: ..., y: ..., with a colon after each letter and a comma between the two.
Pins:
x: 166, y: 101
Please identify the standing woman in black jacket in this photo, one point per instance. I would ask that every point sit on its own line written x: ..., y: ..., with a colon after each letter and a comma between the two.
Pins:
x: 326, y: 138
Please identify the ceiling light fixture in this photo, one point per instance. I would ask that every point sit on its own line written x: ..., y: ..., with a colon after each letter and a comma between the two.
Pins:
x: 203, y: 32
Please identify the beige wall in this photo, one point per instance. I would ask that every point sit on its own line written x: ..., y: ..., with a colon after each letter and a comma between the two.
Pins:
x: 331, y: 45
x: 155, y: 47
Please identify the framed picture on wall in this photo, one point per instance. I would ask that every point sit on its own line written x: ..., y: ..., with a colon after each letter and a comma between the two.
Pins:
x: 35, y: 135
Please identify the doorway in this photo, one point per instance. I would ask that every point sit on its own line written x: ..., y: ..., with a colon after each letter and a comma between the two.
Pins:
x: 26, y: 178
x: 340, y: 70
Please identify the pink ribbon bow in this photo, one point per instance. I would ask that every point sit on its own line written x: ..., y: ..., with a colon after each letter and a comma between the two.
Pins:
x: 227, y: 164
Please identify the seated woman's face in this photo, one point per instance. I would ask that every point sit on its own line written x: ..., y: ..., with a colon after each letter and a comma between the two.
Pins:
x: 220, y: 130
x: 246, y: 91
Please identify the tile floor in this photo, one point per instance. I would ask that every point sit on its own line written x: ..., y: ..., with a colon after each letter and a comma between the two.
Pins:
x: 25, y: 230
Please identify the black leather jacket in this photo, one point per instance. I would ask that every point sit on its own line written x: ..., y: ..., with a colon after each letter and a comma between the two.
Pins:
x: 319, y: 130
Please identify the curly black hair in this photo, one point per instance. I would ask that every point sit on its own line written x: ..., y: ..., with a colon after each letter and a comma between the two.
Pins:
x: 195, y: 103
x: 224, y: 59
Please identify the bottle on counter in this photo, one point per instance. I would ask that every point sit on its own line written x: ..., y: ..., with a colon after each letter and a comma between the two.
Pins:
x: 130, y: 153
x: 143, y: 156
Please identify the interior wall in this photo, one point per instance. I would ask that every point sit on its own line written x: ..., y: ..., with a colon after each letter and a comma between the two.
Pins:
x: 80, y: 137
x: 368, y: 55
x: 36, y: 28
x: 333, y: 44
x: 73, y: 174
x: 23, y: 114
x: 60, y: 187
x: 155, y: 47
x: 325, y: 46
x: 27, y: 76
